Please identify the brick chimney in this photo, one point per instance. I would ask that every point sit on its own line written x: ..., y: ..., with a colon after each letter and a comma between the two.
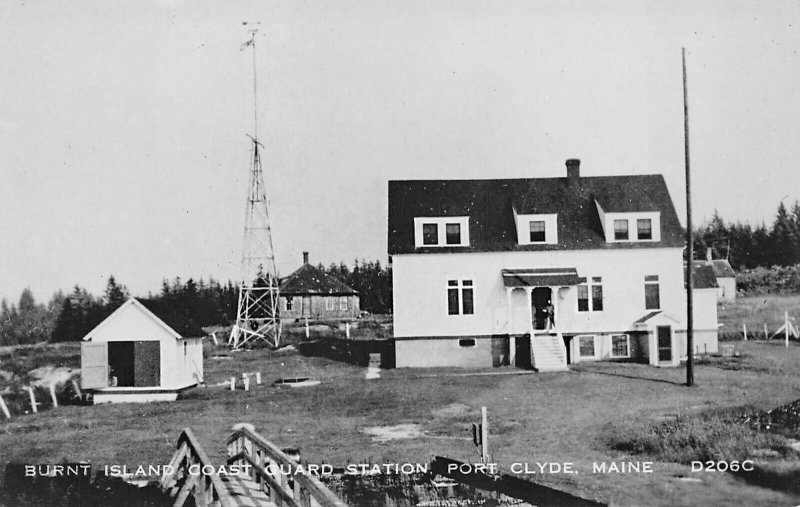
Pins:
x: 305, y: 257
x: 573, y: 170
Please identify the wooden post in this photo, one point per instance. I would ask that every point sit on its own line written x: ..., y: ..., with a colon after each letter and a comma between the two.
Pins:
x: 347, y: 329
x: 246, y: 381
x: 766, y: 336
x: 53, y: 394
x: 484, y: 436
x: 258, y: 378
x: 744, y: 330
x: 214, y: 337
x: 4, y: 408
x: 233, y: 383
x: 77, y: 388
x: 786, y: 328
x: 33, y: 399
x: 308, y: 333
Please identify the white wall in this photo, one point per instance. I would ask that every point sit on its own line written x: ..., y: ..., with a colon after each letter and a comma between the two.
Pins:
x: 133, y: 324
x: 420, y: 290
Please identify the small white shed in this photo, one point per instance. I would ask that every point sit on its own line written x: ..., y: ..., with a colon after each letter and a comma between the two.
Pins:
x: 133, y: 356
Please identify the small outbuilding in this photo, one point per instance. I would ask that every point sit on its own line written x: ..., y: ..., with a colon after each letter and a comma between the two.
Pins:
x: 726, y: 280
x: 134, y: 356
x: 310, y: 293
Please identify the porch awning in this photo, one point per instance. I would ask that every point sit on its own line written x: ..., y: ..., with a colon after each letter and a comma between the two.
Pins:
x: 541, y: 277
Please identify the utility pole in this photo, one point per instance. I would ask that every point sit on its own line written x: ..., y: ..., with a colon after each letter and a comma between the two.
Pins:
x: 689, y: 238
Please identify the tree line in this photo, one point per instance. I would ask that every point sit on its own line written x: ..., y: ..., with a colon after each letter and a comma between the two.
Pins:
x: 186, y: 306
x: 747, y: 247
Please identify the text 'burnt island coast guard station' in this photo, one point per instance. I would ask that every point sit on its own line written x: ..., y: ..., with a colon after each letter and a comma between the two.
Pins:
x: 540, y: 272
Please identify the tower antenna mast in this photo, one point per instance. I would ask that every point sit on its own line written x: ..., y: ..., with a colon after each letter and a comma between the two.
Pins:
x: 257, y: 315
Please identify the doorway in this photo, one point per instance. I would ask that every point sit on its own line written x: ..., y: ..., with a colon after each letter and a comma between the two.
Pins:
x: 664, y: 343
x: 522, y: 352
x: 541, y: 301
x: 135, y: 364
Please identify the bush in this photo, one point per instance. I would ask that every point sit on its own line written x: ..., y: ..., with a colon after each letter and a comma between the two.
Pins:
x: 710, y: 436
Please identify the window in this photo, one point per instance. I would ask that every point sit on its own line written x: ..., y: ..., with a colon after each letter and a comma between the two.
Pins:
x: 537, y: 231
x: 453, y: 234
x: 620, y: 229
x: 343, y: 303
x: 595, y: 289
x: 289, y: 303
x: 329, y: 303
x: 652, y: 300
x: 644, y: 228
x: 460, y: 297
x: 620, y: 346
x: 466, y: 342
x: 430, y: 234
x: 586, y: 346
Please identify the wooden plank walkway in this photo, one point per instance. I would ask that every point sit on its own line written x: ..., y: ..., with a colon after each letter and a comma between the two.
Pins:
x: 246, y: 492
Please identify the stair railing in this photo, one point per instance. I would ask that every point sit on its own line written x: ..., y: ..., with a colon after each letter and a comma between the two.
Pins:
x: 281, y: 477
x: 183, y: 479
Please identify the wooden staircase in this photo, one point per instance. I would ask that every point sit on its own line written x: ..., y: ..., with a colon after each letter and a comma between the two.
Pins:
x: 263, y: 486
x: 548, y: 352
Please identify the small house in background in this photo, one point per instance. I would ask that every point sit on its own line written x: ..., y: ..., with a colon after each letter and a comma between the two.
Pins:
x: 726, y: 279
x: 705, y: 322
x: 134, y: 356
x: 310, y: 293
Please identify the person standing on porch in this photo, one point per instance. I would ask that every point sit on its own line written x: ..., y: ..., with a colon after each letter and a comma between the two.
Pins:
x: 550, y: 315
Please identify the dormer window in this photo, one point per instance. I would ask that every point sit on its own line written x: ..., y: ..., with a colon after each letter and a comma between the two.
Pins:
x: 620, y: 230
x: 644, y: 229
x: 537, y: 231
x: 441, y: 231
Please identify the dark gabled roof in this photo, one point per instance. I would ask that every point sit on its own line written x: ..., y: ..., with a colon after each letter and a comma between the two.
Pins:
x: 308, y: 280
x: 722, y: 269
x: 702, y: 275
x: 174, y: 316
x: 490, y: 204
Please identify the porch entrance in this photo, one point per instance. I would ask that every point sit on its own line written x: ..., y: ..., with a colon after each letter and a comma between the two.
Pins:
x: 664, y: 334
x: 542, y: 307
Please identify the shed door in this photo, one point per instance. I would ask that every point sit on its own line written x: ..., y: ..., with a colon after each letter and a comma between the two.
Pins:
x: 94, y: 365
x: 147, y: 363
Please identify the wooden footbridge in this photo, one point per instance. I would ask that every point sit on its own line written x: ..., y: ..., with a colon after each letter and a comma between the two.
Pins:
x: 264, y: 482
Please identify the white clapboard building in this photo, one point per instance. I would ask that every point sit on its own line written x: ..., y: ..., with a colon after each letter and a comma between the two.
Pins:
x: 133, y: 356
x: 538, y: 272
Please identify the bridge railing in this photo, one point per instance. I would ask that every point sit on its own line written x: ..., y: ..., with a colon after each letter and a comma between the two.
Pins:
x: 279, y: 476
x: 183, y: 479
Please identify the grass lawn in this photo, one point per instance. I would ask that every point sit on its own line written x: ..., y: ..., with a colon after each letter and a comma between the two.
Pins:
x: 755, y: 311
x: 553, y: 417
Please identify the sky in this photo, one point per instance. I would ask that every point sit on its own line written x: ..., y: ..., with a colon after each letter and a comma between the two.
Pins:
x: 123, y: 125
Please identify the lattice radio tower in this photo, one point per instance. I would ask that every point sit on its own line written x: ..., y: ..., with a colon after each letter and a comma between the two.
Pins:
x: 257, y: 316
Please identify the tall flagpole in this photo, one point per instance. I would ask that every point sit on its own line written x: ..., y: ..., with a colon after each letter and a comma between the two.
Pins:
x: 689, y: 238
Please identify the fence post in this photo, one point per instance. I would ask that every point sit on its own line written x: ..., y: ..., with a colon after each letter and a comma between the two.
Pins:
x: 786, y: 328
x: 246, y: 381
x: 766, y: 336
x: 4, y: 408
x: 233, y: 383
x: 484, y: 436
x: 33, y: 399
x: 53, y: 394
x: 347, y: 329
x: 744, y: 330
x: 258, y: 378
x: 308, y: 333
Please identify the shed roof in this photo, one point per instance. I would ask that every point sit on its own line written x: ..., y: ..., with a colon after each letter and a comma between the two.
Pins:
x: 722, y: 268
x: 309, y: 280
x: 702, y: 275
x: 132, y: 302
x: 491, y: 205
